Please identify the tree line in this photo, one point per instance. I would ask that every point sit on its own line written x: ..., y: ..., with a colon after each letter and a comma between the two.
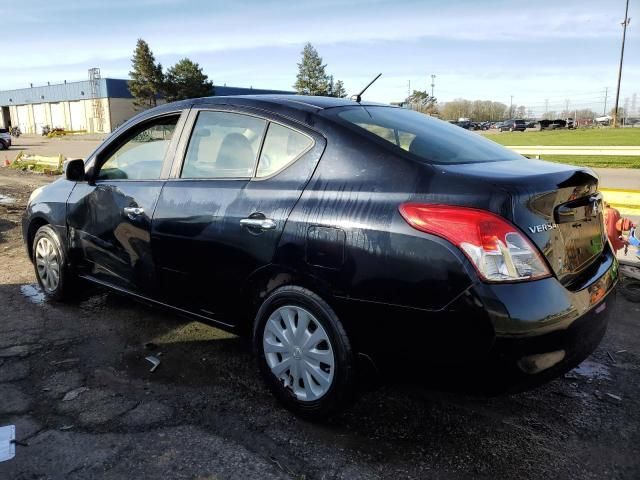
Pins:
x: 186, y: 79
x: 148, y: 82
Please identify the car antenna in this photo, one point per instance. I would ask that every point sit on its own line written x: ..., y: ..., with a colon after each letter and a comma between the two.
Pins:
x: 358, y: 97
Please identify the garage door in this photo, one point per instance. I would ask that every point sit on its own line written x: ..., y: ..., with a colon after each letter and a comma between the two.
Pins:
x: 57, y: 115
x: 39, y: 117
x: 78, y: 120
x: 23, y: 118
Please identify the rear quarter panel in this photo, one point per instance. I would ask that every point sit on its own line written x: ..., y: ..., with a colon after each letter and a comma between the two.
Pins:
x: 353, y: 199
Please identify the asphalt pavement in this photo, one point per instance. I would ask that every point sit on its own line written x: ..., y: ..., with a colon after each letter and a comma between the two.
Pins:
x: 75, y: 382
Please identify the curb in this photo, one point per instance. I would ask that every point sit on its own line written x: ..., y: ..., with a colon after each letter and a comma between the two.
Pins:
x: 626, y: 201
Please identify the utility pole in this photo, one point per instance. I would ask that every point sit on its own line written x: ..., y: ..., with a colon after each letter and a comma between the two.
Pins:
x: 546, y: 107
x: 624, y: 36
x: 433, y: 83
x: 408, y: 88
x: 511, y: 107
x: 606, y: 94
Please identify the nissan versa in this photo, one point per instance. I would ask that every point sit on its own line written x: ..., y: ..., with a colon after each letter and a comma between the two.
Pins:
x: 337, y: 234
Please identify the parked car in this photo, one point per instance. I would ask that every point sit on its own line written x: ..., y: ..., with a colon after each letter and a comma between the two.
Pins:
x: 555, y: 124
x: 5, y: 139
x: 466, y: 124
x: 337, y: 235
x: 513, y: 126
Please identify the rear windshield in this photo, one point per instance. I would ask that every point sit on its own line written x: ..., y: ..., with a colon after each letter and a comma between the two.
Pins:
x: 430, y: 139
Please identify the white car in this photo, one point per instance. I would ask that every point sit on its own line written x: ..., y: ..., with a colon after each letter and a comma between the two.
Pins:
x: 5, y: 139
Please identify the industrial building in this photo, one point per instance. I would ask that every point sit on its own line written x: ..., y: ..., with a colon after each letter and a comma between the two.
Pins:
x: 96, y: 105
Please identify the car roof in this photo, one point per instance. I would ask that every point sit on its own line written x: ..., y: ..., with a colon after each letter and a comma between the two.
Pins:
x: 296, y: 107
x: 297, y: 102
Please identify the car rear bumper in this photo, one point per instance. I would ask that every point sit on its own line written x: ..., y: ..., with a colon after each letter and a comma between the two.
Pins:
x: 493, y: 338
x: 550, y: 329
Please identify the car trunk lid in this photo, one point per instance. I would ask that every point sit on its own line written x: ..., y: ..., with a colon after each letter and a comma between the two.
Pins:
x: 557, y: 206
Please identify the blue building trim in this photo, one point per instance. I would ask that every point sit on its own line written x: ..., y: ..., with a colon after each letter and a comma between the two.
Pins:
x: 109, y: 87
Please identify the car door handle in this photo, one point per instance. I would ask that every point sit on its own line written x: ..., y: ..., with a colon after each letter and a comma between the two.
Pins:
x: 133, y: 212
x: 260, y: 223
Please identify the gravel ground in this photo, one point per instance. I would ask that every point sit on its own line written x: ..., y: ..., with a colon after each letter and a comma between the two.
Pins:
x: 74, y: 381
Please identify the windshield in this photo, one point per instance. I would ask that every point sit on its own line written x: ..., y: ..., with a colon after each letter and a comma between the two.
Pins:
x: 429, y: 139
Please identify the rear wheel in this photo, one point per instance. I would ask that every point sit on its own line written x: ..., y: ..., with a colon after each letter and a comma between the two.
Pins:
x: 304, y: 353
x: 50, y: 264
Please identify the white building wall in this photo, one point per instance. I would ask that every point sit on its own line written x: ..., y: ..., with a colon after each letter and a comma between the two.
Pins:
x: 72, y: 115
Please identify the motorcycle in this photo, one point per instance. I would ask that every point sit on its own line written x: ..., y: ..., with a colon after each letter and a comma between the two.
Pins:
x: 15, y: 132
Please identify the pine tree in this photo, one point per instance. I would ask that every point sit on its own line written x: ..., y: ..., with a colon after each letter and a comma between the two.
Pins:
x: 312, y: 78
x: 186, y: 80
x: 338, y: 90
x: 146, y: 77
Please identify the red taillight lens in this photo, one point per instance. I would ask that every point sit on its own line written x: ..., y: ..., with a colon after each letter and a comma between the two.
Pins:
x: 497, y: 249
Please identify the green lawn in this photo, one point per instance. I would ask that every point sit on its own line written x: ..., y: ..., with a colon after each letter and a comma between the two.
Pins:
x: 582, y: 137
x: 595, y: 161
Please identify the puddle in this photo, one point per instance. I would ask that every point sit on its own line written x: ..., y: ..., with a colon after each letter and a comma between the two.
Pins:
x: 33, y: 293
x: 5, y: 200
x: 591, y: 370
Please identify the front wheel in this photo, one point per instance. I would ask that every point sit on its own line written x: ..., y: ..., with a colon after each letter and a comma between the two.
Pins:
x: 304, y: 353
x: 50, y: 264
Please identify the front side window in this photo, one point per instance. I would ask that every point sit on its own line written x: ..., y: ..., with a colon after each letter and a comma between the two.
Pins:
x: 282, y: 146
x: 141, y: 156
x: 429, y: 139
x: 223, y: 145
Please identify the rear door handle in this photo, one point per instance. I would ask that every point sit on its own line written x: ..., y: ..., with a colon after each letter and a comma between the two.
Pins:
x: 133, y: 212
x: 259, y: 223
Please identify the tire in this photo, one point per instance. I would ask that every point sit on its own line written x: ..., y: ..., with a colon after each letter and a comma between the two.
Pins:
x: 305, y: 384
x: 50, y: 265
x: 4, y: 146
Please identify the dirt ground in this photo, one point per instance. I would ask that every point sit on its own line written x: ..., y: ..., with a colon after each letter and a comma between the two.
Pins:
x: 75, y: 382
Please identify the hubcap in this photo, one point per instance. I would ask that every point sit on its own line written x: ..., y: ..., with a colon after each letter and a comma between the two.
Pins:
x: 298, y: 352
x: 47, y: 264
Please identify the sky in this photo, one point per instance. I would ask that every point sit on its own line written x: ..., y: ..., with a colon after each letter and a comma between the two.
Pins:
x: 538, y: 52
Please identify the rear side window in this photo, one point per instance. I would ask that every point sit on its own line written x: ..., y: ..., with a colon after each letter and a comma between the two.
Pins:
x: 429, y: 139
x: 281, y: 147
x: 223, y: 145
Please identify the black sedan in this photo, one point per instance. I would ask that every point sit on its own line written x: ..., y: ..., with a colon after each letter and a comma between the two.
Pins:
x: 339, y: 236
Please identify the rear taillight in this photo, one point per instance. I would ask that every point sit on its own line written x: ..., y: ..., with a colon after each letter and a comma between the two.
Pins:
x: 497, y: 249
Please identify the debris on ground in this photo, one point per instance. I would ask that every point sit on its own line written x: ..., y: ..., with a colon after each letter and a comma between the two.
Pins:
x: 155, y: 361
x: 7, y: 442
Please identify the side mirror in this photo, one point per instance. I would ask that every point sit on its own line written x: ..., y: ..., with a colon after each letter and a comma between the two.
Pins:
x: 74, y: 170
